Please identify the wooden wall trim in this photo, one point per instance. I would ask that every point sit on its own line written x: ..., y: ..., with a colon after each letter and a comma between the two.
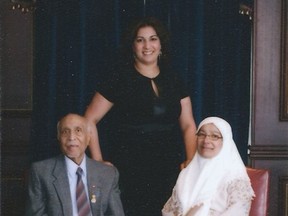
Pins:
x: 271, y: 152
x: 15, y: 148
x: 284, y: 63
x: 283, y: 196
x: 16, y: 113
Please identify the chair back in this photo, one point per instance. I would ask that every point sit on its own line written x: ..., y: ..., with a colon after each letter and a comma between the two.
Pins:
x: 260, y: 183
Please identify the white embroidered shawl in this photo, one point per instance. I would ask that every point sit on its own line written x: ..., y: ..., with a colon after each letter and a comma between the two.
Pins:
x: 198, y: 182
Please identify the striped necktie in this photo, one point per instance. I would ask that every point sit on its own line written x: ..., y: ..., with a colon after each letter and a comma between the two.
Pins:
x: 83, y: 205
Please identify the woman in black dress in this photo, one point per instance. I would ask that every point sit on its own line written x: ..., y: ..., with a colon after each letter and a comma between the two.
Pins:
x: 149, y: 104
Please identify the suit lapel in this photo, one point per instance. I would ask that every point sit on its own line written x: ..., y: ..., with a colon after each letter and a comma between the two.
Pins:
x: 61, y: 185
x: 94, y: 187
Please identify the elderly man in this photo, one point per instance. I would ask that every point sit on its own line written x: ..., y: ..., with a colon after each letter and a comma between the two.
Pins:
x: 71, y: 183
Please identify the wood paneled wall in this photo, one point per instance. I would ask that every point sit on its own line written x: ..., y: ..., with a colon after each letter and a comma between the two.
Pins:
x: 269, y: 146
x: 16, y: 58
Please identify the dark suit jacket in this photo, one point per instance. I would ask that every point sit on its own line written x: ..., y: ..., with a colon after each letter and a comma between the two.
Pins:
x: 49, y: 192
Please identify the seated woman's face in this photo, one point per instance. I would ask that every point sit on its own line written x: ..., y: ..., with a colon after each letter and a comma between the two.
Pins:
x: 209, y: 141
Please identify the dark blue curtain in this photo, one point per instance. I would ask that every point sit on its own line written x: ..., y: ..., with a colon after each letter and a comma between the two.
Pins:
x: 75, y: 40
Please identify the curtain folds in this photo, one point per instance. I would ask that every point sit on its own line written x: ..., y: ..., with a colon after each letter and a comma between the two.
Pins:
x: 76, y: 40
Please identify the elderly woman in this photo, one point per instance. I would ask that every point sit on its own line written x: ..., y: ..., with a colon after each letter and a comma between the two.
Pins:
x: 216, y: 181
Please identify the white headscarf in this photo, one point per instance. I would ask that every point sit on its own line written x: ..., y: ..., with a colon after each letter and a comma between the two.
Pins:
x: 198, y: 182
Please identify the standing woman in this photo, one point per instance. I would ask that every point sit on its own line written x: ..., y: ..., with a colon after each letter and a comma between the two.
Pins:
x: 150, y: 103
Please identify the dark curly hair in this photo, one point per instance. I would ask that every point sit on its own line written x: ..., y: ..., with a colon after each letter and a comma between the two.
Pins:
x: 132, y: 31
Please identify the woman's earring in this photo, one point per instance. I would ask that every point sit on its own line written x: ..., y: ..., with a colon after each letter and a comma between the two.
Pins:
x: 159, y: 56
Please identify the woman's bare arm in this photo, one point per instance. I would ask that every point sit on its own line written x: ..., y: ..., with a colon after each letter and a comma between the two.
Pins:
x: 96, y: 110
x: 188, y: 127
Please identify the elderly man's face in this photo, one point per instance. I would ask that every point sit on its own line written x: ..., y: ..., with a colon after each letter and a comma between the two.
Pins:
x: 74, y: 137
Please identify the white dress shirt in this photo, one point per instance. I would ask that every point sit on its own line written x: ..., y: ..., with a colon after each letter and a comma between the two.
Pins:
x: 72, y: 176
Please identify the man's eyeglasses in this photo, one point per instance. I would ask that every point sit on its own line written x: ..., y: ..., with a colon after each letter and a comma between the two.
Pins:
x: 212, y: 137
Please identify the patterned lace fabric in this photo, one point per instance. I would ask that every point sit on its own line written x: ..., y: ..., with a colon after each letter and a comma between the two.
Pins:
x: 239, y: 190
x: 172, y: 206
x: 232, y: 198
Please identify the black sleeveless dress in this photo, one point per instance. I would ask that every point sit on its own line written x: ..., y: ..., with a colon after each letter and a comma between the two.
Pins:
x: 144, y: 142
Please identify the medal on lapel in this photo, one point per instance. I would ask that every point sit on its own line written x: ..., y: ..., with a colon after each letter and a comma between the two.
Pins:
x: 93, y: 198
